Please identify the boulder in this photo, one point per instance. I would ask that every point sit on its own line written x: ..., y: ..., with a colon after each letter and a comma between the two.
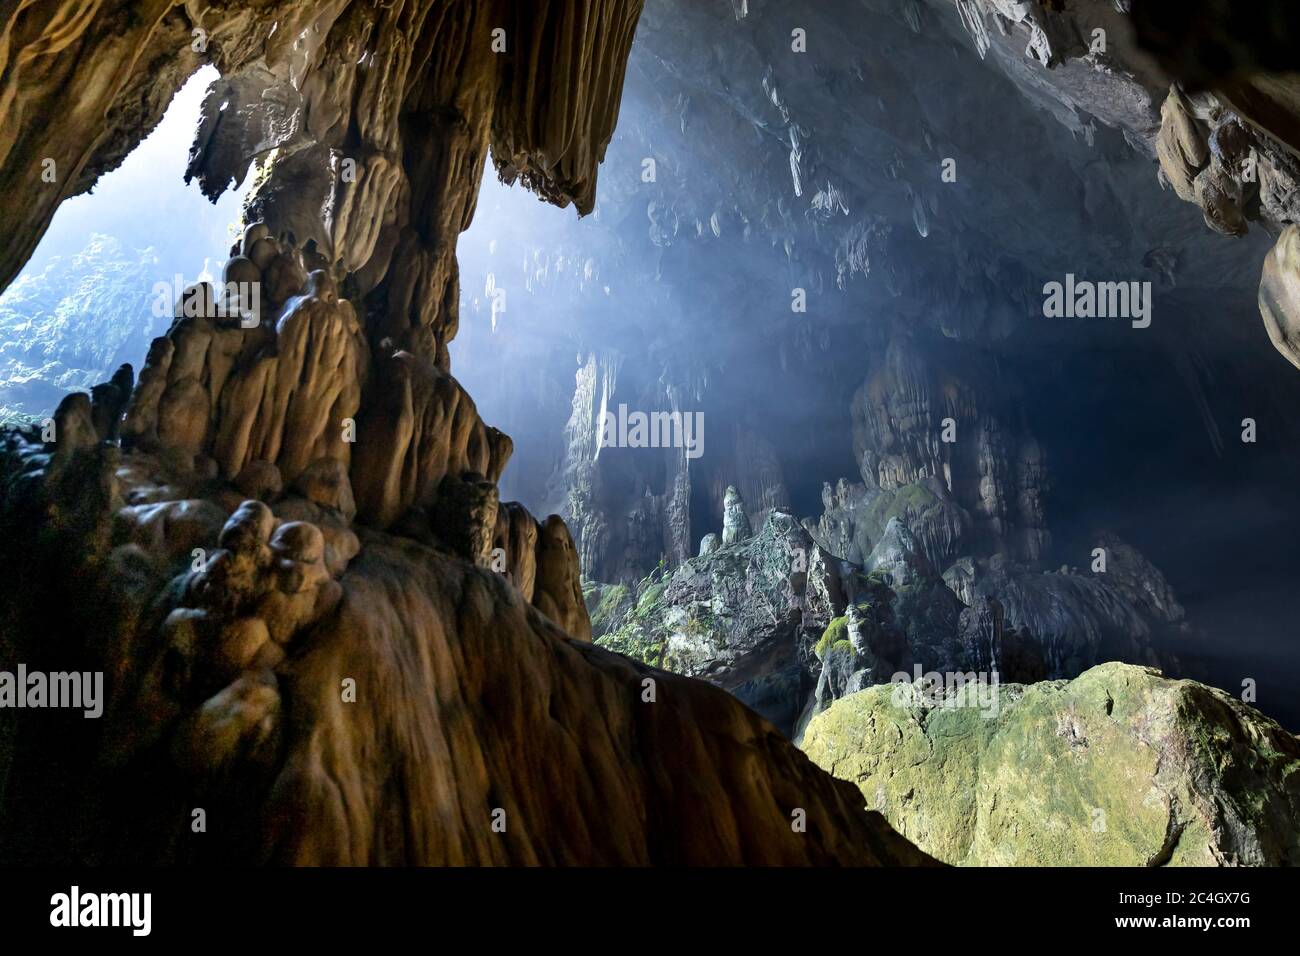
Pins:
x: 1118, y: 767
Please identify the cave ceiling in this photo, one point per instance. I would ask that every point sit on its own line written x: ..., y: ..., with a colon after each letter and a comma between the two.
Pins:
x: 825, y: 172
x: 752, y: 155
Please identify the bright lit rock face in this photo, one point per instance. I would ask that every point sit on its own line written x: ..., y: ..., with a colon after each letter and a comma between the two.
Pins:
x: 743, y: 615
x: 1118, y: 767
x: 1279, y: 294
x: 284, y: 544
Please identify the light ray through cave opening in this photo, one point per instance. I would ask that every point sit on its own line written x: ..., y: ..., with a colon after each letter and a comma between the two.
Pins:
x: 84, y: 303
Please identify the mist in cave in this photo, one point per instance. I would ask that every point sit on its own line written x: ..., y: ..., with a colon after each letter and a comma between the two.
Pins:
x: 677, y: 293
x: 75, y: 313
x: 651, y: 424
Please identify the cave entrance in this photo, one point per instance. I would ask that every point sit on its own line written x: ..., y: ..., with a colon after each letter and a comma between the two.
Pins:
x: 85, y: 301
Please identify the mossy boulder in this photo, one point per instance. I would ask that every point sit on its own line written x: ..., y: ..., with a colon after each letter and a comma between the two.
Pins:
x: 1120, y: 766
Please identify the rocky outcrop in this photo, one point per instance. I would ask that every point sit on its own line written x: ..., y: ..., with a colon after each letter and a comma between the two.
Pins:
x: 1228, y: 131
x: 324, y: 636
x: 275, y: 381
x: 1234, y: 171
x: 1080, y: 617
x: 751, y: 466
x: 947, y: 431
x: 735, y: 523
x: 744, y: 616
x: 789, y: 627
x: 629, y: 506
x: 1120, y: 766
x: 855, y: 518
x: 332, y: 697
x: 954, y: 488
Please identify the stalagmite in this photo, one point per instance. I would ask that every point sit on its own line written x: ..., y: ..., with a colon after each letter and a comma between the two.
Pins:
x: 318, y: 620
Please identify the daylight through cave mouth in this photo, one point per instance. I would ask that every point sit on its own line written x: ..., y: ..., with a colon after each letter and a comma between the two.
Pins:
x: 102, y: 282
x: 748, y: 376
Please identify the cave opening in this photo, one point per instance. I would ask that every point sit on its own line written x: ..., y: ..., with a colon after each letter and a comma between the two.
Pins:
x: 366, y: 559
x: 102, y: 282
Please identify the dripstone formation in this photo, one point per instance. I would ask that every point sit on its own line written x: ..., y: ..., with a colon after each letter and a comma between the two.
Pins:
x: 283, y: 544
x: 967, y: 175
x: 281, y: 535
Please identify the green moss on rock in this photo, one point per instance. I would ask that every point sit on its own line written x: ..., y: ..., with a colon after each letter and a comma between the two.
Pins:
x: 1120, y: 766
x: 651, y: 600
x: 904, y: 503
x: 605, y: 603
x: 837, y: 630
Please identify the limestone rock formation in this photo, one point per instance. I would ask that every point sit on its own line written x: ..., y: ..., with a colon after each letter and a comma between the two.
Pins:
x: 1120, y: 766
x: 752, y: 466
x: 1077, y: 136
x: 1228, y: 131
x: 1078, y: 617
x: 284, y: 545
x: 954, y: 487
x: 789, y: 627
x: 1224, y: 164
x: 953, y: 426
x: 744, y: 616
x: 416, y: 681
x: 1279, y: 294
x: 629, y: 507
x: 735, y: 523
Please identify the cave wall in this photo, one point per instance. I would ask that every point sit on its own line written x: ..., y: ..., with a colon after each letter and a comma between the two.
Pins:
x: 281, y: 544
x: 925, y: 296
x: 1051, y: 134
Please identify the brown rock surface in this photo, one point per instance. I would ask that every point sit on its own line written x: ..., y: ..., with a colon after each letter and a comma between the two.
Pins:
x: 381, y: 714
x: 1279, y: 294
x: 329, y: 694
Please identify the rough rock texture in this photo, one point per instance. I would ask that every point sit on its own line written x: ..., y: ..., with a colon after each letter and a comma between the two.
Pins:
x: 744, y: 616
x: 1234, y: 171
x: 789, y: 627
x: 1077, y: 617
x: 954, y: 487
x: 855, y: 516
x: 629, y: 507
x: 1230, y: 142
x: 1119, y: 766
x: 735, y: 522
x: 756, y: 474
x: 917, y: 418
x: 1279, y: 294
x: 334, y: 698
x: 284, y: 545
